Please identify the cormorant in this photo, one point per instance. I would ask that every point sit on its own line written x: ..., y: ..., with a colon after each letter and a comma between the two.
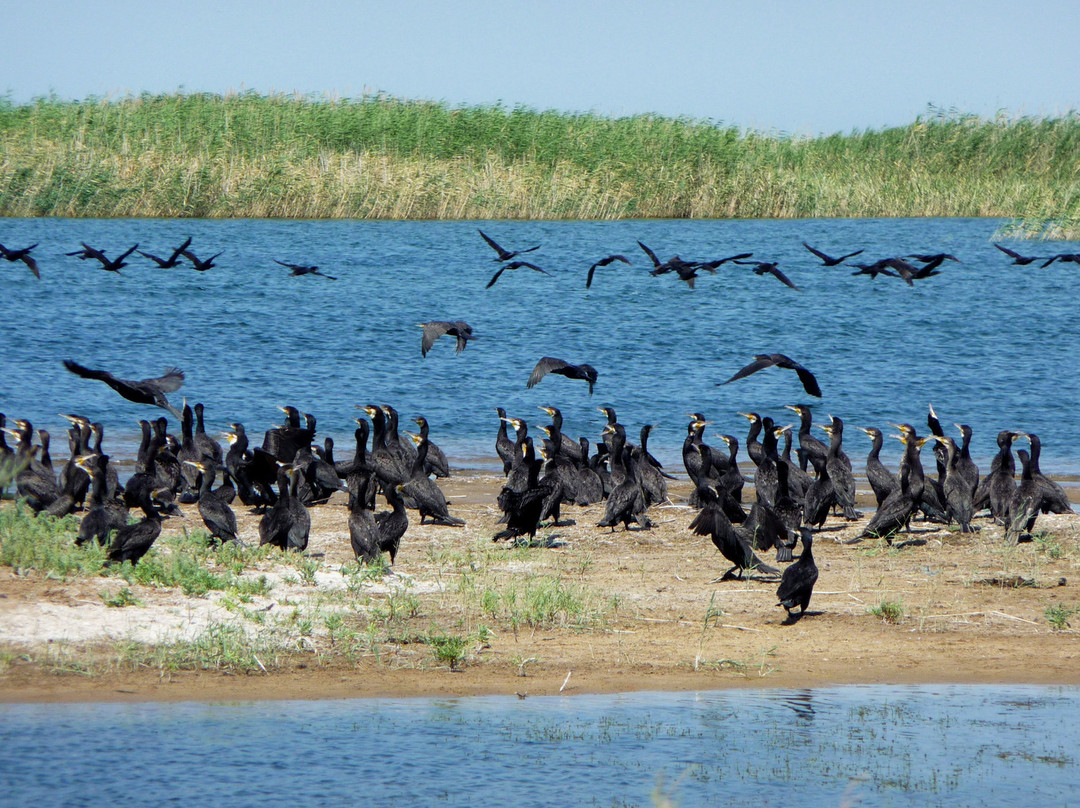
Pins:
x: 144, y: 391
x: 132, y: 542
x: 1021, y: 260
x: 882, y: 481
x: 549, y: 364
x: 216, y: 514
x: 393, y: 523
x: 435, y: 329
x: 297, y: 270
x: 23, y: 255
x: 734, y: 546
x: 504, y: 447
x: 797, y: 582
x: 196, y: 264
x: 828, y: 260
x: 1052, y: 497
x: 436, y: 462
x: 504, y: 255
x: 603, y: 262
x: 513, y: 265
x: 762, y: 361
x: 173, y: 260
x: 770, y: 268
x: 958, y: 503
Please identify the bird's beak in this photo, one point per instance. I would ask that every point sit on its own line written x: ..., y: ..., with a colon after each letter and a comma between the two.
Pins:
x: 548, y: 410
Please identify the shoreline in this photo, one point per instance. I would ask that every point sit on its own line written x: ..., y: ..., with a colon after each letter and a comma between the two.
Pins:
x: 641, y: 611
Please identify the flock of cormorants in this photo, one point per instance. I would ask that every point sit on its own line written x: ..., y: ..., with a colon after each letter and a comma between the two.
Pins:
x: 290, y: 472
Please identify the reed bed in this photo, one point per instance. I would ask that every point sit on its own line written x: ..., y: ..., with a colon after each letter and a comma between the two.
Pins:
x: 248, y: 155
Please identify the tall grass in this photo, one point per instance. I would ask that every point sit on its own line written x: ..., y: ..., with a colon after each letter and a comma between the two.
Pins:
x: 381, y: 157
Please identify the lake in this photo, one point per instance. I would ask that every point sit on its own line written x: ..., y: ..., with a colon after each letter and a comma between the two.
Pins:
x: 987, y: 343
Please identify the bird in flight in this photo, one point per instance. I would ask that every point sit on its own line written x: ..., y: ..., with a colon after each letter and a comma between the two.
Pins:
x: 828, y: 260
x: 762, y: 361
x: 603, y: 262
x: 513, y: 265
x: 196, y: 264
x: 173, y: 260
x: 770, y: 267
x: 435, y: 329
x: 22, y: 255
x: 550, y: 364
x: 300, y: 269
x: 504, y: 255
x: 145, y: 391
x: 106, y: 264
x: 1065, y: 258
x: 1021, y: 260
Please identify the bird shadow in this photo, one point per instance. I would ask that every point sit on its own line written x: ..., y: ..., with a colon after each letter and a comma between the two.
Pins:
x: 546, y: 543
x: 910, y: 543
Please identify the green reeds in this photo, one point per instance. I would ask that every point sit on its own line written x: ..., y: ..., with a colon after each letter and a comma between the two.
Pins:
x: 381, y: 157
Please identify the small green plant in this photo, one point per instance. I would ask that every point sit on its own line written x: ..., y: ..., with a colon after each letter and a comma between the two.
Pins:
x: 1058, y: 616
x: 308, y: 567
x: 891, y: 611
x: 125, y: 597
x: 1049, y: 544
x: 448, y: 649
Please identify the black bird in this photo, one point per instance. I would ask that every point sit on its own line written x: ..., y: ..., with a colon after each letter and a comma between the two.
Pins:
x: 686, y: 270
x: 910, y: 274
x: 106, y: 264
x: 214, y: 508
x: 504, y: 255
x: 513, y: 265
x: 1020, y: 260
x: 550, y: 364
x: 932, y: 257
x: 603, y: 262
x: 435, y: 329
x: 24, y: 256
x: 1065, y: 258
x: 504, y: 447
x: 770, y: 268
x: 828, y: 260
x: 173, y: 260
x: 797, y: 583
x: 145, y: 391
x: 715, y: 264
x: 132, y: 542
x: 762, y: 361
x: 297, y: 269
x: 881, y: 267
x: 733, y: 545
x: 196, y: 264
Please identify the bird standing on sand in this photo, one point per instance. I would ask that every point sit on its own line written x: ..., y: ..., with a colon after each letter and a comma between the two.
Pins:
x: 797, y: 582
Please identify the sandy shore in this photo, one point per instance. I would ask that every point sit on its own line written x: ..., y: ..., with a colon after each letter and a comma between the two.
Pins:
x: 585, y: 611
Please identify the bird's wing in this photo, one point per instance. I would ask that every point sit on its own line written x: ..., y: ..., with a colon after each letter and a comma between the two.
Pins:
x: 819, y: 253
x: 651, y: 254
x: 784, y: 279
x: 324, y: 275
x: 622, y: 258
x: 760, y: 363
x: 1008, y: 252
x: 129, y: 252
x: 294, y: 267
x: 87, y: 373
x: 432, y: 331
x: 177, y: 252
x: 592, y: 271
x: 546, y: 365
x: 1051, y: 260
x: 94, y: 252
x: 495, y: 277
x: 30, y: 262
x: 168, y: 382
x: 519, y: 264
x: 494, y: 245
x: 154, y: 258
x: 850, y: 255
x: 809, y: 381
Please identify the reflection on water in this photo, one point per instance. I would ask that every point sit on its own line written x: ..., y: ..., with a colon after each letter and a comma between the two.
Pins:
x: 873, y: 745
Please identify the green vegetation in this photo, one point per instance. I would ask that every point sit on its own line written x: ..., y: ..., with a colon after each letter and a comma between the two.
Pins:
x: 891, y: 611
x: 380, y: 157
x: 1058, y: 616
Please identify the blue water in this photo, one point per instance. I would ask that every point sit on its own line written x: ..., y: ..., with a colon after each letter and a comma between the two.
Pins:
x: 987, y: 343
x: 872, y: 745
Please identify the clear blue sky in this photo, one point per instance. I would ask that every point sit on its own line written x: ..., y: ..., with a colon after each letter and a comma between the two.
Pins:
x: 804, y: 66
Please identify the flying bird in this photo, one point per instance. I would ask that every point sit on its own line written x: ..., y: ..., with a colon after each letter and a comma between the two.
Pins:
x: 770, y: 267
x: 1065, y: 258
x: 504, y: 255
x: 106, y: 264
x: 934, y: 257
x: 22, y: 255
x: 435, y: 329
x: 762, y: 361
x: 196, y: 264
x: 550, y: 364
x: 173, y: 260
x: 299, y: 269
x: 603, y: 262
x: 878, y: 268
x: 145, y: 391
x: 513, y: 265
x: 1020, y: 260
x: 828, y: 260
